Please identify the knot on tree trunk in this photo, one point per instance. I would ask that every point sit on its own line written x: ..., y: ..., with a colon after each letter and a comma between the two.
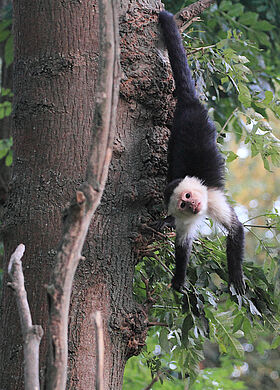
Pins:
x: 133, y: 329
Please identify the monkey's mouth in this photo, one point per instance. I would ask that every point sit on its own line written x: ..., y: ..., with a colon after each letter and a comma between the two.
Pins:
x: 193, y: 207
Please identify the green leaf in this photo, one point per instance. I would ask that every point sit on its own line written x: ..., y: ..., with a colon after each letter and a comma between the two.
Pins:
x: 163, y: 340
x: 268, y: 97
x: 275, y: 158
x: 236, y: 10
x: 186, y: 327
x: 224, y: 80
x: 3, y: 152
x: 237, y: 323
x: 231, y: 156
x: 8, y: 108
x: 5, y: 23
x: 254, y: 149
x: 264, y: 25
x: 9, y: 159
x: 4, y: 35
x: 244, y: 95
x: 266, y: 163
x: 222, y: 43
x: 225, y: 5
x: 275, y: 343
x: 247, y: 328
x: 263, y: 38
x: 249, y: 18
x: 227, y: 342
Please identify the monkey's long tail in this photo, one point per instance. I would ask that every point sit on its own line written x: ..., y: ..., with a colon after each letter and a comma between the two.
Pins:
x: 185, y: 89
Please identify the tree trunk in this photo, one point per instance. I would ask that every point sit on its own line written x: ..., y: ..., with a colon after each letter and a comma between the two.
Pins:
x: 56, y: 55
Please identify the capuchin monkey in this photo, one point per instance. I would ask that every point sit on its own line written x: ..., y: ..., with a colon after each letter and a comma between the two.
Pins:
x: 195, y: 170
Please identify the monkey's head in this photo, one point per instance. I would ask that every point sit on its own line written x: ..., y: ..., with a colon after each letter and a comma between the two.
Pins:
x: 188, y: 198
x: 189, y: 202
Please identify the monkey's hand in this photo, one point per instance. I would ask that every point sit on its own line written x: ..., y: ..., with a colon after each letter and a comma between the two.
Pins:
x: 178, y: 283
x: 238, y: 283
x: 168, y: 221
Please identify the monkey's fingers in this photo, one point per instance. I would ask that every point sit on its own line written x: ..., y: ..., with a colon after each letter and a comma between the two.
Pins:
x: 239, y: 285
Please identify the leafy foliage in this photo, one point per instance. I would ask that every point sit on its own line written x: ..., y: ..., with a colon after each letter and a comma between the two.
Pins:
x: 7, y: 37
x: 6, y: 151
x: 207, y: 310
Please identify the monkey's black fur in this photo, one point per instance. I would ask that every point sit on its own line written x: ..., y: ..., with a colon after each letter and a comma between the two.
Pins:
x: 192, y: 147
x: 193, y: 152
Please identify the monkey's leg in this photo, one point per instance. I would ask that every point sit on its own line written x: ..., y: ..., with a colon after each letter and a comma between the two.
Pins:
x: 221, y: 211
x: 182, y: 255
x: 168, y: 221
x: 235, y: 255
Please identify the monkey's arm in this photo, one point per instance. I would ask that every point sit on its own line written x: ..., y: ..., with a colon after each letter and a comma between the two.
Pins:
x: 235, y: 255
x: 182, y: 255
x: 222, y: 212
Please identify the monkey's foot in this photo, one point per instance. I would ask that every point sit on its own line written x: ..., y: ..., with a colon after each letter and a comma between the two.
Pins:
x: 160, y: 225
x: 178, y: 284
x: 239, y: 284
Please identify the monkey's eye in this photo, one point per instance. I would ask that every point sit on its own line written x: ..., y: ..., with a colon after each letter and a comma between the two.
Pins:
x: 188, y: 195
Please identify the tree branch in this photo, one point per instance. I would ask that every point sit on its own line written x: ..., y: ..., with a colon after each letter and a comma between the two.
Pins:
x: 155, y: 379
x: 79, y: 214
x: 99, y: 341
x: 32, y: 334
x: 192, y: 11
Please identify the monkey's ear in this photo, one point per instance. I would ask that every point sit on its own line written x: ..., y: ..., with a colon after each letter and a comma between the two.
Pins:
x: 170, y: 188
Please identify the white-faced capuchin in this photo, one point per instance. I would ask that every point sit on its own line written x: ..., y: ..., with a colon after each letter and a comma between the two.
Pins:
x: 195, y: 169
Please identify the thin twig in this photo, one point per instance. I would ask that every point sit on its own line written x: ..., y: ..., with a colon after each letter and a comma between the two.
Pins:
x: 261, y: 226
x: 99, y: 341
x: 155, y: 323
x: 156, y: 378
x: 32, y: 334
x: 197, y: 49
x: 186, y: 25
x: 162, y: 235
x: 162, y: 264
x: 228, y: 119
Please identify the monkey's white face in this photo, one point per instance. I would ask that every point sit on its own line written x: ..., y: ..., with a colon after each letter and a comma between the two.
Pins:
x: 189, y: 199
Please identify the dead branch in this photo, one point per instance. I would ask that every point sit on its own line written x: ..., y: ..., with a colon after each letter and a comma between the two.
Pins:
x: 32, y: 334
x: 84, y: 204
x: 99, y: 341
x: 192, y: 11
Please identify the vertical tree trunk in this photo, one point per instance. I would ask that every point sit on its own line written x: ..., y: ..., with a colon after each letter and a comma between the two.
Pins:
x: 56, y: 51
